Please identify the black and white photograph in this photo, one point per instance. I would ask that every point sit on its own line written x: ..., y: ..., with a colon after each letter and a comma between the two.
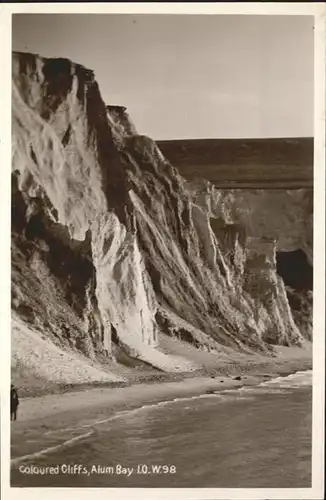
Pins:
x: 163, y: 247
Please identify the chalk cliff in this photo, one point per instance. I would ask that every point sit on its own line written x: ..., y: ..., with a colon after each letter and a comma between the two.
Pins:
x: 112, y: 249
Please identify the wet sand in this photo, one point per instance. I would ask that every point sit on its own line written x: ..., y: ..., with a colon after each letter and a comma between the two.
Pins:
x: 256, y: 437
x: 53, y: 419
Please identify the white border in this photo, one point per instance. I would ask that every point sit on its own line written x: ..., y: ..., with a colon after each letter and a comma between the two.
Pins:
x: 316, y: 9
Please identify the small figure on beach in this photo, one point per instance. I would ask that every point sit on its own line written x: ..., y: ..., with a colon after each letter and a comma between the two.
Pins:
x: 14, y: 402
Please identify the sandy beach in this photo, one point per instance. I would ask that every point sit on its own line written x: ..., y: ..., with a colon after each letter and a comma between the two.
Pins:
x: 54, y: 420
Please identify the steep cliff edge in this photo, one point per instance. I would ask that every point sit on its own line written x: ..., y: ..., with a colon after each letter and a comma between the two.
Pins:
x: 281, y: 220
x: 111, y: 250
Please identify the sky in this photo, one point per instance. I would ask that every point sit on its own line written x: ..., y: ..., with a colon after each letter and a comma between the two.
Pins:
x: 189, y: 76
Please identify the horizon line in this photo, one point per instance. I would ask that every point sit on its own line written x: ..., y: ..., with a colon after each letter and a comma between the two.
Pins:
x: 287, y: 138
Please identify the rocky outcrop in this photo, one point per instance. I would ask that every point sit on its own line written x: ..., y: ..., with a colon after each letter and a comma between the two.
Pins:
x: 285, y: 216
x: 111, y: 248
x: 280, y: 222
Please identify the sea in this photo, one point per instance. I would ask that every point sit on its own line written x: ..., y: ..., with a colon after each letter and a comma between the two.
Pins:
x: 252, y: 437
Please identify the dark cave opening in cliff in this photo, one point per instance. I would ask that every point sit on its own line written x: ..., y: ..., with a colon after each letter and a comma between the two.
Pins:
x: 294, y: 268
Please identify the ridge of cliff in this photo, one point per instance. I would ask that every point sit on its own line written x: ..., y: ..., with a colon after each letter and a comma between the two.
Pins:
x: 281, y: 220
x: 110, y: 249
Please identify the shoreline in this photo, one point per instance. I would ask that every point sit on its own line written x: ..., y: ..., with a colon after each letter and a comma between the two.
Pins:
x: 53, y: 446
x: 155, y: 386
x: 54, y: 419
x: 286, y: 360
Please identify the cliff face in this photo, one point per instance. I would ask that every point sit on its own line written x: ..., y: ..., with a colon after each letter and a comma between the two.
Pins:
x: 283, y: 216
x: 111, y: 248
x: 280, y: 224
